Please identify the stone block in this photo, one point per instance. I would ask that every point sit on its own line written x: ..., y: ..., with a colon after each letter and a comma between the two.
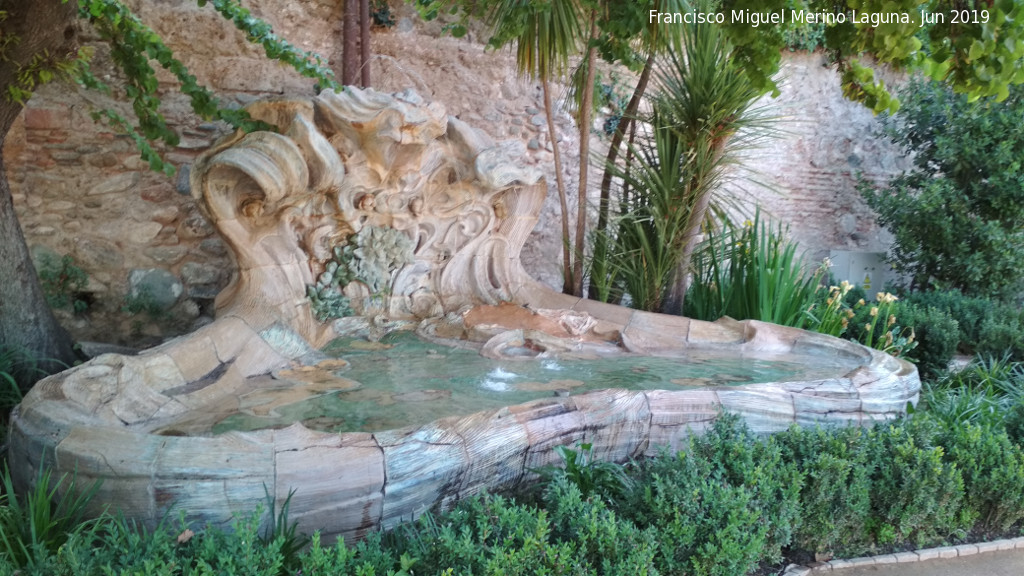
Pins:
x: 49, y: 118
x: 966, y: 549
x: 904, y: 557
x: 1008, y: 544
x: 154, y: 286
x: 422, y: 466
x: 947, y: 551
x: 197, y: 273
x: 886, y: 559
x: 115, y: 184
x: 338, y: 489
x: 984, y: 547
x: 142, y: 232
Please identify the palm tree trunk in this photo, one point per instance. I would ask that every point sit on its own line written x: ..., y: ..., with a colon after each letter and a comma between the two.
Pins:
x: 627, y: 119
x: 560, y: 184
x: 586, y: 107
x: 676, y: 298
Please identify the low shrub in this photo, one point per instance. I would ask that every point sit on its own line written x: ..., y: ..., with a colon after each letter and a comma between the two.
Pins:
x: 968, y: 311
x: 721, y: 506
x: 916, y: 495
x: 835, y: 499
x: 601, y: 538
x: 987, y: 327
x: 937, y: 335
x: 1014, y: 421
x: 1002, y: 334
x: 172, y: 551
x: 494, y: 535
x: 869, y: 490
x: 993, y: 471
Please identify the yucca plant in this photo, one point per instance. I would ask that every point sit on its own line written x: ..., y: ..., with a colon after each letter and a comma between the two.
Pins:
x: 702, y: 115
x: 648, y: 242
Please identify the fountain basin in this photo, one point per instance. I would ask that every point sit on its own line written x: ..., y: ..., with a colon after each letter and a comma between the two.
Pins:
x: 395, y: 169
x: 348, y: 483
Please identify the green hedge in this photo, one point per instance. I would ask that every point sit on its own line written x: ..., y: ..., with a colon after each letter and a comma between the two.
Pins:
x: 727, y: 504
x: 986, y: 326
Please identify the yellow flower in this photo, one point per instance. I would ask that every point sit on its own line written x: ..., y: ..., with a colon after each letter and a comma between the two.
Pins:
x: 886, y: 298
x: 874, y: 311
x: 867, y: 327
x: 860, y: 302
x: 892, y: 320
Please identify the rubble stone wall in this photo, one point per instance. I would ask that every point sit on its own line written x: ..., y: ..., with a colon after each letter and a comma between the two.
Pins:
x: 154, y: 262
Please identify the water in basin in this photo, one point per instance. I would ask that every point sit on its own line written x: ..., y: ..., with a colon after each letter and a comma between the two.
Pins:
x: 404, y: 380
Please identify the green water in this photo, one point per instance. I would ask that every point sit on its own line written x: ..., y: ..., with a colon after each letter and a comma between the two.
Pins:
x: 414, y: 381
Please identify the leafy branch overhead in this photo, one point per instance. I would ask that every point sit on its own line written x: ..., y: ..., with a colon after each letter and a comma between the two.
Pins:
x: 976, y: 47
x: 135, y: 48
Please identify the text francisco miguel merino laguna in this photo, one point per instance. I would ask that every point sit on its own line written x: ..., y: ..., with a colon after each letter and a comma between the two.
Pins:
x: 874, y: 19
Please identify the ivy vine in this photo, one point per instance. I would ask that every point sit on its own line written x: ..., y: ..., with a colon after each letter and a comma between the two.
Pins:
x: 135, y: 47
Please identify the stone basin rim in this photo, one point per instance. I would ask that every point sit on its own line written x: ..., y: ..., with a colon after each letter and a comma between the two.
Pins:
x: 363, y: 164
x: 641, y: 420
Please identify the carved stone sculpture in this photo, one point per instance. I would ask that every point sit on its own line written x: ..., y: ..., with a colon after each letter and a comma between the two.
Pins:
x: 316, y: 203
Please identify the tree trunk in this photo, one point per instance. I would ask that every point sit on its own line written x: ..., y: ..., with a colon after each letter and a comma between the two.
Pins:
x: 560, y: 183
x: 604, y: 207
x: 676, y: 297
x: 586, y: 106
x: 350, y: 43
x: 27, y: 325
x: 364, y: 43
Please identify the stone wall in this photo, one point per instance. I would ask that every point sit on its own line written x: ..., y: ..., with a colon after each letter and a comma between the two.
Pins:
x: 80, y: 188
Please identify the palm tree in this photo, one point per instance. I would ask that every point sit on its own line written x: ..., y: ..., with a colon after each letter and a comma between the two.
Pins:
x: 654, y: 39
x: 545, y: 34
x: 702, y: 114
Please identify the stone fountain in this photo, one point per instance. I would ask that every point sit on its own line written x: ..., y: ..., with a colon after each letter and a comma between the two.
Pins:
x: 349, y: 170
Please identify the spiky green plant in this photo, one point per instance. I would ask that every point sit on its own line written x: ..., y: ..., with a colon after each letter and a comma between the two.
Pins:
x: 35, y: 525
x: 702, y: 116
x: 982, y: 393
x: 752, y: 272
